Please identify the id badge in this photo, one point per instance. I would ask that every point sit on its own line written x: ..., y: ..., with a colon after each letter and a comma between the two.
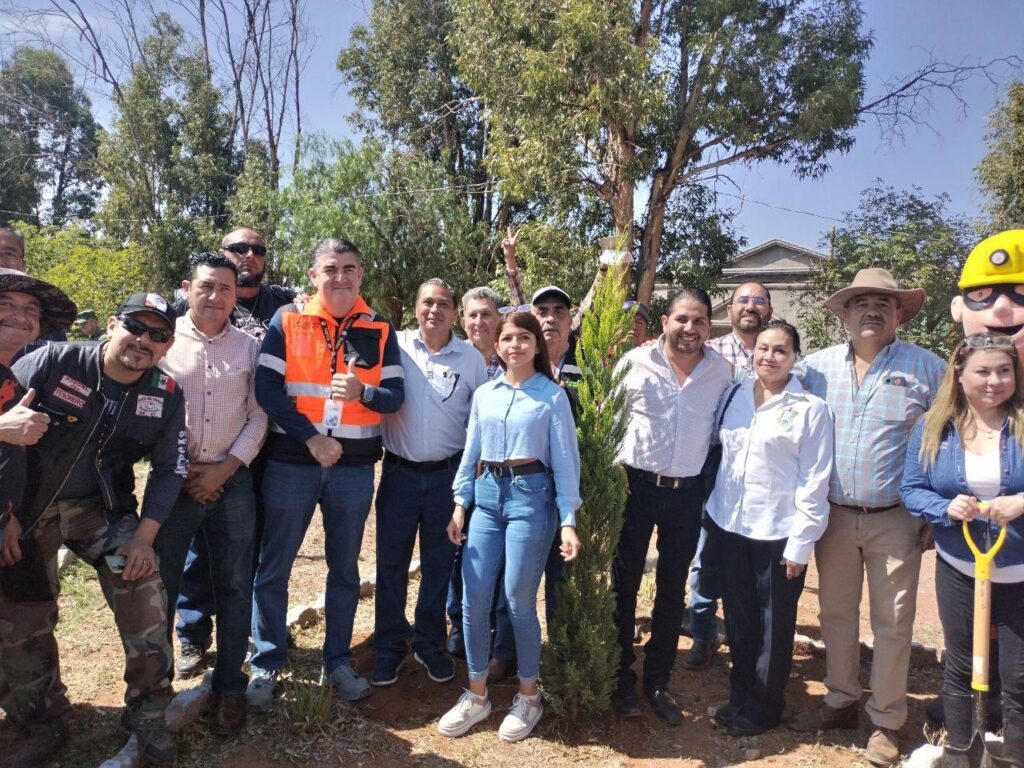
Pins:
x: 332, y: 414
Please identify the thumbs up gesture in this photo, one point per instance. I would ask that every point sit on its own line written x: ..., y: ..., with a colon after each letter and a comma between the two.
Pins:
x: 21, y: 425
x: 346, y: 386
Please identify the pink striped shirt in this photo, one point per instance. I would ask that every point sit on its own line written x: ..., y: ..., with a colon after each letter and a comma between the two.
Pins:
x: 216, y: 377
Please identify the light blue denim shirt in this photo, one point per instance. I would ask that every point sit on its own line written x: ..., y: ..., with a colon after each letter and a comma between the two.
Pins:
x: 529, y: 421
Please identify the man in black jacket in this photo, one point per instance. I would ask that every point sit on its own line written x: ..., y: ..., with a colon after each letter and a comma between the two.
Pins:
x: 108, y: 406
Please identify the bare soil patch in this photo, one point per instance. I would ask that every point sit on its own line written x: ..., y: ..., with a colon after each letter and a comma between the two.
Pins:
x: 397, y: 726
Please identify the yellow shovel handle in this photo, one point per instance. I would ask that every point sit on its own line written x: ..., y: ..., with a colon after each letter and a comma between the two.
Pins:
x: 982, y: 607
x: 983, y: 560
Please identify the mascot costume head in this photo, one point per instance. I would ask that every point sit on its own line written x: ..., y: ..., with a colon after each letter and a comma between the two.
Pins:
x: 991, y: 286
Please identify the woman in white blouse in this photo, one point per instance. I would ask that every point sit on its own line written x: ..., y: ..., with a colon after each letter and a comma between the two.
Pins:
x: 768, y: 508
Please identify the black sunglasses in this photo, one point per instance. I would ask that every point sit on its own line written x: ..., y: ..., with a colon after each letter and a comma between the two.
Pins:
x: 139, y: 328
x: 243, y: 248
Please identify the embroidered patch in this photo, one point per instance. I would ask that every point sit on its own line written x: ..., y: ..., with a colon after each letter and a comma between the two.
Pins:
x: 76, y: 385
x: 67, y: 397
x: 786, y: 416
x: 162, y: 381
x: 151, y: 406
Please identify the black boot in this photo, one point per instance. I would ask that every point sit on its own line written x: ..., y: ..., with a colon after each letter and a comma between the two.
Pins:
x: 44, y: 741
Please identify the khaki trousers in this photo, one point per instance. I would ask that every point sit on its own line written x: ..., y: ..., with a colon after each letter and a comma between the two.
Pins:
x: 887, y: 547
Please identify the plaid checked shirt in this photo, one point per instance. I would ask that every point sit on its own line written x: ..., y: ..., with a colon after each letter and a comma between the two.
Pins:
x: 873, y: 421
x: 732, y: 349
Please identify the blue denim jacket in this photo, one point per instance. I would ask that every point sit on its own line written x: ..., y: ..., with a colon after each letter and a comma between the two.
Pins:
x: 926, y: 493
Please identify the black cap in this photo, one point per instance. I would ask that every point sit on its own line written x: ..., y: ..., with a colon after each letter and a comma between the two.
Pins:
x: 153, y: 303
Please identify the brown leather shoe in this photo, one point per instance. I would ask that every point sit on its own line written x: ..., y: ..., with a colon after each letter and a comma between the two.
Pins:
x: 229, y: 715
x: 883, y: 747
x: 824, y: 718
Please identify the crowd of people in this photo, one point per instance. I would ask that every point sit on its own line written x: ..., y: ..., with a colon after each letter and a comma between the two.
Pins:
x: 254, y: 406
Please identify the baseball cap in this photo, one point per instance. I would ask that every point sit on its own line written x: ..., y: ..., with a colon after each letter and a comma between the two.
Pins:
x: 551, y: 291
x: 152, y: 303
x: 85, y: 314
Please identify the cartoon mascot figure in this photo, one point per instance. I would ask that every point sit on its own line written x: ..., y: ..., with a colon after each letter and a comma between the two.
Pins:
x: 992, y: 288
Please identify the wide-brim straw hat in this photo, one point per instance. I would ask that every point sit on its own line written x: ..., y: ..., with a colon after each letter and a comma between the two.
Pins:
x: 58, y: 312
x: 877, y: 280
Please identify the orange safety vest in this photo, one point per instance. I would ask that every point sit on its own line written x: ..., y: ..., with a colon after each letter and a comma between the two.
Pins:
x: 313, y: 339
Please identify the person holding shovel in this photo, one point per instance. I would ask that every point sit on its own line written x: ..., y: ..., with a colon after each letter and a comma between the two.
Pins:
x: 965, y: 463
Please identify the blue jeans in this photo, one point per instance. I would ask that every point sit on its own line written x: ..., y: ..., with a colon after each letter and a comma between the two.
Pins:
x: 409, y: 500
x: 504, y: 635
x: 290, y: 495
x: 196, y: 605
x: 226, y: 527
x: 513, y: 523
x: 704, y: 592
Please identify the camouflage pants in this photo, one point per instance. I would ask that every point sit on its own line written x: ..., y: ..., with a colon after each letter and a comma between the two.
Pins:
x: 31, y: 663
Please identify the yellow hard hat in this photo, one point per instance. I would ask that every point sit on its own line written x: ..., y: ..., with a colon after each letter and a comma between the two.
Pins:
x: 996, y: 260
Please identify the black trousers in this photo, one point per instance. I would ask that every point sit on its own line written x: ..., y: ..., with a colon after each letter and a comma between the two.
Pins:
x: 676, y: 513
x: 760, y: 606
x: 955, y: 594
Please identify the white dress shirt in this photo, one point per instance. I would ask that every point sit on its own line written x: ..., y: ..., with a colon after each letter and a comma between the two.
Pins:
x: 668, y: 426
x: 439, y: 387
x: 776, y: 462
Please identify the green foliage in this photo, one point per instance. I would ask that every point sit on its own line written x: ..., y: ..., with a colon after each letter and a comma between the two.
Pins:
x: 699, y: 240
x: 582, y: 654
x: 168, y: 159
x: 1000, y: 173
x: 48, y: 139
x: 621, y: 97
x: 96, y: 275
x: 397, y: 207
x: 918, y: 240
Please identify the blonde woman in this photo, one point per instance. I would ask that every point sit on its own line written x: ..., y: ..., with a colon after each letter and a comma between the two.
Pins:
x: 969, y: 449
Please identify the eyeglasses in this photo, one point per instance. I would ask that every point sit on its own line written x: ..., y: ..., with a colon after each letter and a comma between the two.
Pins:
x: 243, y: 248
x: 140, y: 329
x: 988, y: 340
x: 517, y: 308
x: 757, y: 301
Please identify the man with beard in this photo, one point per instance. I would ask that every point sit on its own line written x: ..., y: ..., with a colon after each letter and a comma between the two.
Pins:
x: 877, y: 388
x: 670, y: 386
x: 108, y: 407
x: 749, y: 308
x: 255, y: 306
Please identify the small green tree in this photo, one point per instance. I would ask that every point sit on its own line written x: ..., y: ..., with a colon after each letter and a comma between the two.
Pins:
x: 582, y: 653
x: 918, y: 240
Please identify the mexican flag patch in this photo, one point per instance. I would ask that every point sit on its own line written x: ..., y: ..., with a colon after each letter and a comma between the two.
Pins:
x: 162, y: 381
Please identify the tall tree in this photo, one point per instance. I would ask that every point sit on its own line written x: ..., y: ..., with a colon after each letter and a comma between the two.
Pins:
x: 637, y: 99
x: 48, y: 137
x: 1000, y: 173
x: 918, y: 240
x: 401, y: 72
x: 168, y: 159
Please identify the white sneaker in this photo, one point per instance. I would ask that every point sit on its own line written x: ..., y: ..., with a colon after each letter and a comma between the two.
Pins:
x: 466, y: 713
x: 521, y: 719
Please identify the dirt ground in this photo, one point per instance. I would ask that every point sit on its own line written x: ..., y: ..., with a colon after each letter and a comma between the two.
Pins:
x: 396, y: 726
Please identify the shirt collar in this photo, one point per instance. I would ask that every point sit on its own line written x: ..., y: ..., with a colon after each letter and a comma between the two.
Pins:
x: 186, y: 326
x: 448, y: 348
x: 535, y: 382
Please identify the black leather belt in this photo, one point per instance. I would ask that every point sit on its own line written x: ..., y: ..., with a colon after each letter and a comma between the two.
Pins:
x: 499, y: 470
x: 424, y: 466
x: 664, y: 481
x: 866, y: 510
